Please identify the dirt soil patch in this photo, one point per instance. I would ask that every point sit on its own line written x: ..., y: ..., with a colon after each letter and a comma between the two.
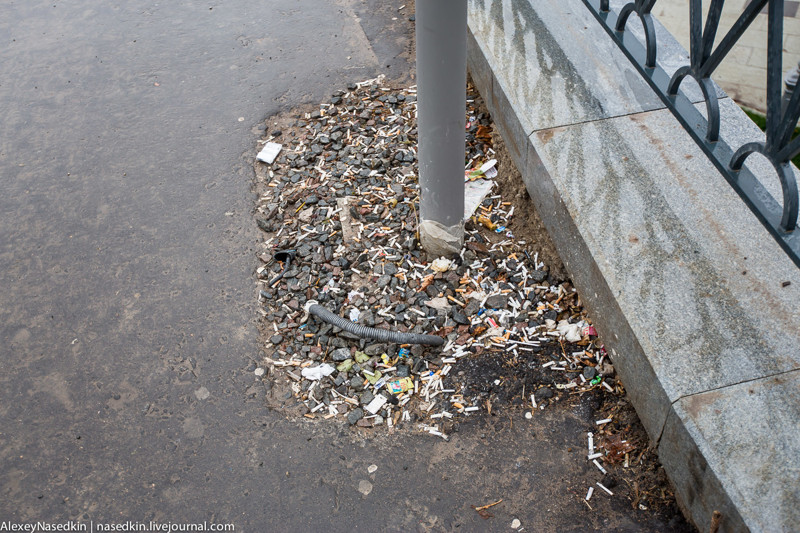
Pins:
x: 341, y: 202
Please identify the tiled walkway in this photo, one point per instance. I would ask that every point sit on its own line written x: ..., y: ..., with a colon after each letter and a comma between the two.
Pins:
x: 743, y: 72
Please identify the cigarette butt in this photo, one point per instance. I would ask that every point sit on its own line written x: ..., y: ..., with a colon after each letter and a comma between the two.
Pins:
x: 599, y: 466
x: 605, y: 489
x: 456, y: 301
x: 595, y: 456
x: 589, y: 494
x: 603, y: 421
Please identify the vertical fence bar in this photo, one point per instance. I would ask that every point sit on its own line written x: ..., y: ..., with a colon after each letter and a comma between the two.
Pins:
x: 441, y: 30
x: 789, y: 86
x: 774, y: 68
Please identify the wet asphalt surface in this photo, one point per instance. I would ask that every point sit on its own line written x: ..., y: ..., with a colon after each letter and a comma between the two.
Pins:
x: 128, y: 289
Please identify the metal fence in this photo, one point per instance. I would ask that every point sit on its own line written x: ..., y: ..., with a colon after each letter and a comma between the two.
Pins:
x: 779, y: 148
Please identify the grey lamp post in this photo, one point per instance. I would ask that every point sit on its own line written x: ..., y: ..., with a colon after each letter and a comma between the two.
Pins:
x: 441, y: 28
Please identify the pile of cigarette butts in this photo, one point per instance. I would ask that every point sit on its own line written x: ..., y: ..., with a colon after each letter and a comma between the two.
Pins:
x: 338, y: 203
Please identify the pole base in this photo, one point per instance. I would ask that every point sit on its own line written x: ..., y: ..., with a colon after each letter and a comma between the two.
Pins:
x: 439, y: 240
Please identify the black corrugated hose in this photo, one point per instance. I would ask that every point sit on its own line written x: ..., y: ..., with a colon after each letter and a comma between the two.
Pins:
x: 284, y: 256
x: 366, y: 332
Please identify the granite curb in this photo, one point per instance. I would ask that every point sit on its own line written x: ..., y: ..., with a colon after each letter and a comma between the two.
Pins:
x: 692, y: 290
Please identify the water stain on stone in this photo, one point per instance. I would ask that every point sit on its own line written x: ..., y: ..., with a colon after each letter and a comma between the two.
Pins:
x: 56, y: 385
x: 21, y: 337
x: 696, y: 402
x: 545, y: 135
x: 193, y: 428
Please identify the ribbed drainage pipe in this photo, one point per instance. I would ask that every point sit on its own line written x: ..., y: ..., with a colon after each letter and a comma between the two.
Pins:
x: 366, y: 332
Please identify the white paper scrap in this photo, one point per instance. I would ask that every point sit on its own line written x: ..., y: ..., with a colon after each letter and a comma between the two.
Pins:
x: 375, y: 405
x: 474, y: 193
x: 269, y: 153
x: 318, y: 372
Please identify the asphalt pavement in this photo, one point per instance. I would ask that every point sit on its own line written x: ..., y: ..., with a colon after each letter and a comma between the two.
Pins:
x: 128, y: 301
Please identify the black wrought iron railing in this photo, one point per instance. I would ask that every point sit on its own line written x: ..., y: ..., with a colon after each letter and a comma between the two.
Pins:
x: 779, y: 148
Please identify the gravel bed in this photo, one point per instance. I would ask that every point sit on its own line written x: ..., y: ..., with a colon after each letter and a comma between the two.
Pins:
x: 342, y: 197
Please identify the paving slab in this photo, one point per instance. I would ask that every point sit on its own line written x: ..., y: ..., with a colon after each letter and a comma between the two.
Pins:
x: 744, y: 438
x: 567, y: 41
x: 673, y: 240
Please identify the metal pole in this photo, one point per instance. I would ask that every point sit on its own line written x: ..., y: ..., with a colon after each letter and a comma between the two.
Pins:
x: 441, y: 104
